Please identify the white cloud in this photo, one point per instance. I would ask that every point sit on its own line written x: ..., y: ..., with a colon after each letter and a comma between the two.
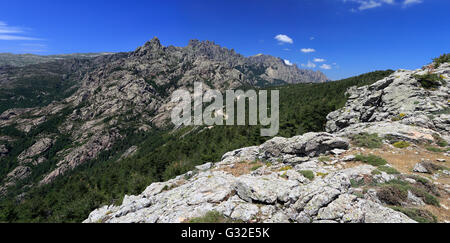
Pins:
x: 409, y: 2
x: 16, y: 37
x: 13, y: 33
x: 307, y: 50
x: 309, y: 65
x: 283, y: 39
x: 312, y: 38
x: 5, y: 29
x: 370, y: 4
x: 287, y: 62
x: 319, y: 60
x: 325, y: 66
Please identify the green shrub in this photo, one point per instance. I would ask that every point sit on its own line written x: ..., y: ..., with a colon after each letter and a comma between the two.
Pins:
x: 389, y: 170
x: 439, y: 140
x: 426, y: 197
x: 393, y: 194
x: 286, y: 168
x: 320, y: 174
x: 441, y: 59
x: 426, y: 185
x: 367, y: 140
x: 308, y: 174
x: 401, y: 144
x: 371, y: 160
x: 324, y: 159
x: 420, y: 179
x: 418, y: 215
x: 429, y: 80
x: 376, y: 172
x: 399, y: 117
x: 256, y: 167
x: 356, y: 184
x: 434, y: 149
x: 397, y: 182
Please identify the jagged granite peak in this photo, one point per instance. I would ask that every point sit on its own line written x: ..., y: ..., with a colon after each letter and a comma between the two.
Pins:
x: 260, y: 70
x: 276, y: 68
x: 153, y: 44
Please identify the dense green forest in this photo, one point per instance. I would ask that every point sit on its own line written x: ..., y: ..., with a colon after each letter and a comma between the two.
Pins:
x: 164, y: 154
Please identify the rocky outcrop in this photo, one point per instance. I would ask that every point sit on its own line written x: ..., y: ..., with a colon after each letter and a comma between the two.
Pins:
x: 80, y: 155
x: 274, y: 192
x: 38, y: 148
x: 392, y: 130
x: 257, y: 197
x: 276, y: 70
x: 397, y: 105
x: 19, y: 173
x: 307, y: 145
x: 3, y: 150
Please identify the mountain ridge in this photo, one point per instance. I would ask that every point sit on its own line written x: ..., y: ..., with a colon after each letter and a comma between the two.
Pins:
x: 21, y: 60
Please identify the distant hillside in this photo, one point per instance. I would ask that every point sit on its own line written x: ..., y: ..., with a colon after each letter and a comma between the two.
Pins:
x: 21, y: 60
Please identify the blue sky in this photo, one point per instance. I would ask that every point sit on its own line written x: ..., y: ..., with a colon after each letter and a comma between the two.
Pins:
x: 342, y: 38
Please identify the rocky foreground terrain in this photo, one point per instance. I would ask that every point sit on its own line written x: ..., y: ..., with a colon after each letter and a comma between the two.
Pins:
x: 384, y: 159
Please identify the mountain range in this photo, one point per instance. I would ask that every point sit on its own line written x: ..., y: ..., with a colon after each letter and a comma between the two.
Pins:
x: 82, y: 131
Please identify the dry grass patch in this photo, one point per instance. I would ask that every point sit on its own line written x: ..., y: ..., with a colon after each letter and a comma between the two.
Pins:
x: 243, y: 168
x: 404, y: 160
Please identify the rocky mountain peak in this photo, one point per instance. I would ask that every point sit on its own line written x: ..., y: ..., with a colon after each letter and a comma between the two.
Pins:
x: 154, y: 43
x: 210, y: 50
x: 151, y: 46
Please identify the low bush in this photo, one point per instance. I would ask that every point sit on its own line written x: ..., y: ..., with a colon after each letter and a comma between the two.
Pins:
x: 324, y: 159
x: 418, y: 215
x: 429, y: 80
x: 393, y: 194
x: 426, y: 197
x: 401, y: 144
x: 371, y: 160
x: 439, y: 140
x: 286, y: 168
x: 356, y: 183
x: 434, y: 149
x: 308, y: 174
x: 367, y: 140
x: 256, y: 167
x: 389, y: 170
